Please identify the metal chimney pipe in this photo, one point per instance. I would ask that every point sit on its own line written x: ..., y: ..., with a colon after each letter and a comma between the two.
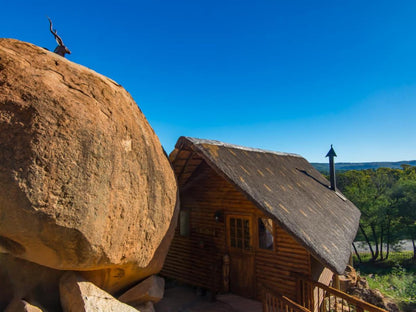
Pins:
x: 331, y: 154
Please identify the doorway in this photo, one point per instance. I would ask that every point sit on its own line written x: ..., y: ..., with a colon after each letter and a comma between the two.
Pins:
x: 240, y: 248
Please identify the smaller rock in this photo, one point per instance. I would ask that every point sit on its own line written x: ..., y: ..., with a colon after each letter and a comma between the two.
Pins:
x: 390, y: 305
x: 79, y: 295
x: 151, y: 289
x: 351, y: 274
x: 19, y: 305
x: 373, y: 296
x: 362, y: 283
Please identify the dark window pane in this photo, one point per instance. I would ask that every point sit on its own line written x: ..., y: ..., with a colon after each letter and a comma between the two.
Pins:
x: 265, y: 233
x: 246, y: 234
x: 184, y: 226
x: 232, y: 232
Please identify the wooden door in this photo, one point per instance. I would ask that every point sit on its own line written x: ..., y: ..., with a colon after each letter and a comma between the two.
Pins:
x: 240, y: 246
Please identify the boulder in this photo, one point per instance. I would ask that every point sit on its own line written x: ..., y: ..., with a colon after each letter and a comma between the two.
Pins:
x: 362, y: 283
x: 84, y: 182
x: 151, y: 289
x: 22, y: 306
x: 351, y: 274
x: 119, y: 278
x: 79, y: 295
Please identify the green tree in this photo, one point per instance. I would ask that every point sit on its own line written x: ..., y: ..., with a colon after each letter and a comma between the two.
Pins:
x: 404, y: 196
x: 369, y: 190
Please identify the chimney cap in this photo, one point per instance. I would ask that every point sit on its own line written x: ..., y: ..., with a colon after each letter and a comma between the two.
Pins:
x: 331, y: 153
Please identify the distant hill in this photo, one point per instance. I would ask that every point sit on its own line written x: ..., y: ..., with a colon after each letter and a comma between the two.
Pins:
x: 323, y: 167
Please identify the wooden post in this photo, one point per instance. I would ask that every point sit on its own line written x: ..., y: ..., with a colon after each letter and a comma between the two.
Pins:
x: 336, y: 282
x: 299, y: 288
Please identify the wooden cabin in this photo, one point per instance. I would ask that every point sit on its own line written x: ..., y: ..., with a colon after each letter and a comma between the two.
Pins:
x: 252, y: 219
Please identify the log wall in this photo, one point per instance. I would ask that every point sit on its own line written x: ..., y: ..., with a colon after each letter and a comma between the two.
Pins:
x: 197, y: 259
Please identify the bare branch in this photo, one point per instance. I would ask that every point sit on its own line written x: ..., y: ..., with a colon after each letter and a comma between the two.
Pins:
x: 61, y: 49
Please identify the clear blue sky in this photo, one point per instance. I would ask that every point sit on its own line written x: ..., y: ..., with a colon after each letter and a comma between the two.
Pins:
x: 290, y: 76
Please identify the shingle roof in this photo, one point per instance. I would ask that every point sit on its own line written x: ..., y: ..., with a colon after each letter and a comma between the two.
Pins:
x: 287, y: 188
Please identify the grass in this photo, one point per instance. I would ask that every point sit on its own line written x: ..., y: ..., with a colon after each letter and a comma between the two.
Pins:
x: 395, y: 277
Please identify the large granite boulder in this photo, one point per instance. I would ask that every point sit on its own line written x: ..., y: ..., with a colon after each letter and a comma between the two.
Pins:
x: 84, y: 182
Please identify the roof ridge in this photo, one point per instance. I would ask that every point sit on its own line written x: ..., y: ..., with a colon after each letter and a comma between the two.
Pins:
x: 245, y: 148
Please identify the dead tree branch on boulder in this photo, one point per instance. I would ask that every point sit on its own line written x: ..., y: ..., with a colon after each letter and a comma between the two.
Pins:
x: 61, y: 49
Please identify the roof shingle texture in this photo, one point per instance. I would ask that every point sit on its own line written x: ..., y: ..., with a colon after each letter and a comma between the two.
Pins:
x: 287, y: 188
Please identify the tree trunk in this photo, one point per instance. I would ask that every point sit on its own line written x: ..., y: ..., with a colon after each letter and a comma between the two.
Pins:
x: 368, y: 241
x: 356, y: 253
x: 381, y: 243
x: 388, y: 239
x: 414, y: 249
x: 373, y: 230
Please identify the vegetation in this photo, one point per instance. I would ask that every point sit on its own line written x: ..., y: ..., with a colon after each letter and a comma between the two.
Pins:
x: 387, y: 200
x: 395, y: 277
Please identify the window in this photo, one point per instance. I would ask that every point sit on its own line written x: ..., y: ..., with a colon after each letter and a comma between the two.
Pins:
x: 184, y: 223
x: 239, y: 230
x: 265, y: 233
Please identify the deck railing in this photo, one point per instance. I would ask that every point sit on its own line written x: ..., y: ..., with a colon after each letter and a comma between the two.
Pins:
x: 315, y: 297
x: 318, y: 297
x: 274, y: 302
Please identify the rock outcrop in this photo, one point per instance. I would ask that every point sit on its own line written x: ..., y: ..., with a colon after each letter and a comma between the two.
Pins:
x: 352, y: 283
x: 84, y: 182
